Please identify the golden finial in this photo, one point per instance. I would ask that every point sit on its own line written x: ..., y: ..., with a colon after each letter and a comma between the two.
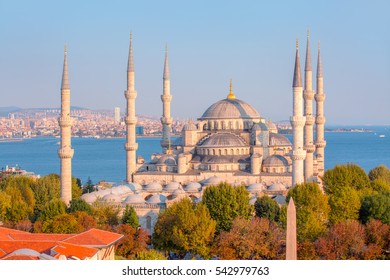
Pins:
x: 296, y: 43
x: 231, y: 95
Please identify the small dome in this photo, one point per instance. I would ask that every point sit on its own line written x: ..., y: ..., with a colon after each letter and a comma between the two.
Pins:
x: 167, y: 160
x: 134, y: 199
x: 252, y: 200
x: 230, y: 109
x: 134, y: 186
x: 278, y: 140
x: 255, y: 188
x: 277, y: 187
x: 171, y: 186
x: 112, y: 198
x: 102, y: 193
x: 89, y: 197
x: 275, y: 161
x: 213, y: 181
x: 193, y: 187
x: 153, y: 187
x: 190, y: 126
x: 157, y: 198
x: 179, y: 193
x: 280, y: 199
x: 259, y: 127
x: 223, y: 140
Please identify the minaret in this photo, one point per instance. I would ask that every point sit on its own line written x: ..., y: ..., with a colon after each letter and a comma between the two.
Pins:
x: 166, y: 98
x: 320, y: 119
x: 65, y: 152
x: 131, y: 120
x: 297, y: 123
x: 308, y: 95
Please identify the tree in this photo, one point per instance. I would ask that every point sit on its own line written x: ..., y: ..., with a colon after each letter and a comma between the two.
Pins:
x: 85, y: 220
x: 63, y: 223
x: 380, y: 172
x: 79, y: 205
x: 51, y: 209
x: 185, y: 227
x: 150, y: 255
x: 266, y: 207
x: 312, y: 210
x: 377, y: 240
x: 106, y: 214
x: 344, y: 241
x: 344, y: 204
x: 17, y: 203
x: 254, y: 239
x: 376, y: 206
x: 134, y: 241
x: 130, y: 217
x: 225, y: 203
x: 88, y: 187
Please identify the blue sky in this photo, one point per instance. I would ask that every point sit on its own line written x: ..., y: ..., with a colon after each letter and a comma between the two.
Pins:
x: 210, y: 42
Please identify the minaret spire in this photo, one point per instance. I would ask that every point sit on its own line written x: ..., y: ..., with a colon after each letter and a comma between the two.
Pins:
x: 166, y: 98
x: 320, y: 118
x: 297, y: 123
x: 308, y: 95
x: 65, y: 152
x: 131, y: 145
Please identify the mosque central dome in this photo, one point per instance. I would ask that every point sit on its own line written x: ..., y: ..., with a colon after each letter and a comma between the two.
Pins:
x: 230, y: 109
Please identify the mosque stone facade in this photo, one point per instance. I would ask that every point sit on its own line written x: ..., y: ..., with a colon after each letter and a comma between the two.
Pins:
x: 230, y: 142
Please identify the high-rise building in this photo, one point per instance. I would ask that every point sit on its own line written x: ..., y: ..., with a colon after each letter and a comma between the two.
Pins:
x: 117, y: 115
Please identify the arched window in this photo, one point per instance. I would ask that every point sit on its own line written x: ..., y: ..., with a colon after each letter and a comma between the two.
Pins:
x: 231, y: 151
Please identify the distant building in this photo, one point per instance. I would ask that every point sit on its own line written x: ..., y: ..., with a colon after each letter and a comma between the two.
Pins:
x: 139, y: 130
x: 117, y: 115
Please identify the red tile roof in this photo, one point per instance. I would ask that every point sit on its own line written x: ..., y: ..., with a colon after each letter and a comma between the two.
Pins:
x: 5, y: 233
x: 39, y: 246
x: 95, y: 238
x: 70, y: 250
x: 40, y: 236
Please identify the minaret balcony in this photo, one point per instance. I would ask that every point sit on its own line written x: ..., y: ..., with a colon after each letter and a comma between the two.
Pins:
x: 310, y: 120
x: 65, y: 121
x: 66, y: 152
x: 131, y: 147
x: 321, y: 144
x: 310, y: 148
x: 298, y: 155
x: 130, y: 94
x: 308, y: 94
x: 319, y: 97
x: 166, y: 98
x: 131, y: 120
x: 166, y: 120
x: 297, y: 121
x: 320, y: 120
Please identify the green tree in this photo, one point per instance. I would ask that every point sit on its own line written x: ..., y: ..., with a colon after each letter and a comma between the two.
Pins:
x: 63, y: 223
x: 79, y: 205
x: 22, y: 203
x: 380, y: 172
x: 185, y: 227
x: 150, y: 255
x: 51, y: 209
x: 130, y: 217
x: 377, y: 207
x: 266, y: 207
x: 5, y: 203
x: 225, y: 203
x: 312, y: 210
x: 106, y: 214
x: 88, y: 187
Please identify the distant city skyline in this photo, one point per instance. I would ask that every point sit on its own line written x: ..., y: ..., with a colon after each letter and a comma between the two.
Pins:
x: 209, y: 43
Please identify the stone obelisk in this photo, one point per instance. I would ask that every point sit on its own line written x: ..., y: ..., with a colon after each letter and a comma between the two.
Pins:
x: 291, y: 235
x: 65, y: 152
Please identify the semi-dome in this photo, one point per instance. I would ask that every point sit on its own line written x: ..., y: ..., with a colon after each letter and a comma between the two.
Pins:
x: 193, y: 187
x: 157, y: 198
x: 278, y: 140
x: 256, y: 187
x: 179, y: 193
x: 153, y: 187
x: 167, y: 160
x: 223, y: 140
x: 134, y: 199
x: 112, y: 198
x: 172, y: 186
x: 275, y: 160
x: 277, y: 187
x: 230, y: 109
